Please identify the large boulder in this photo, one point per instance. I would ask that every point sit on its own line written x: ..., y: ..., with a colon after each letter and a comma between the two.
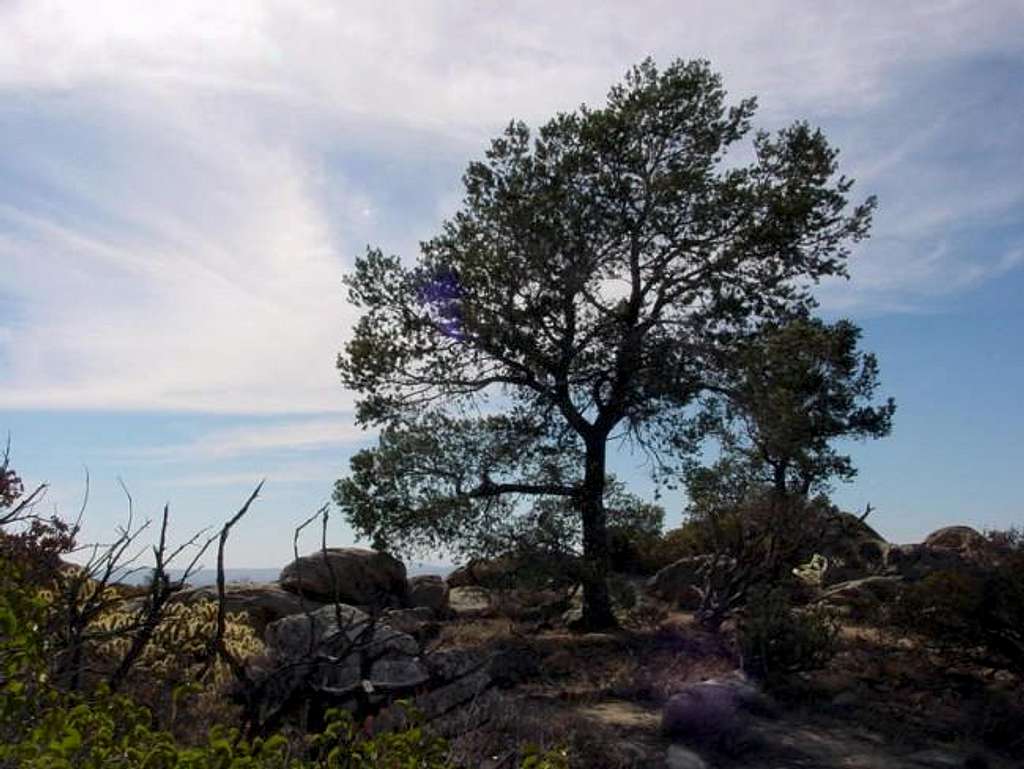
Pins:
x: 264, y: 603
x: 335, y: 631
x: 420, y: 622
x: 967, y: 542
x: 348, y: 575
x: 429, y: 591
x: 711, y: 710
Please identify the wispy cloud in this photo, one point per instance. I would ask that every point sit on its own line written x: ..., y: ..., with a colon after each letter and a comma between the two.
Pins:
x: 278, y: 437
x: 182, y: 186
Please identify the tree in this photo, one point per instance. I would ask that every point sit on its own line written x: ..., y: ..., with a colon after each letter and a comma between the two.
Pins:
x: 784, y: 395
x: 777, y: 402
x: 577, y: 296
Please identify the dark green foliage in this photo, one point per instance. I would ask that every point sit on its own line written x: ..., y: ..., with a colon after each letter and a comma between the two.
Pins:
x: 786, y: 393
x: 777, y: 640
x: 597, y: 268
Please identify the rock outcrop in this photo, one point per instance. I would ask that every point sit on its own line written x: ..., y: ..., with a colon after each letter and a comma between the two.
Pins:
x: 348, y: 575
x: 968, y: 543
x: 429, y: 591
x: 340, y: 656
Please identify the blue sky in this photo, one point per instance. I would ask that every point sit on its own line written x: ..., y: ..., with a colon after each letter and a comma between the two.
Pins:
x: 182, y: 188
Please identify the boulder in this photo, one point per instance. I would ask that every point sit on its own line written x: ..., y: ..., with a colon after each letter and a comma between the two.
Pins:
x: 264, y: 603
x: 429, y: 591
x: 419, y: 622
x: 965, y: 541
x: 712, y: 710
x: 349, y: 575
x: 320, y: 633
x: 470, y: 601
x: 461, y: 577
x: 852, y: 548
x: 679, y: 757
x: 337, y: 655
x: 460, y: 682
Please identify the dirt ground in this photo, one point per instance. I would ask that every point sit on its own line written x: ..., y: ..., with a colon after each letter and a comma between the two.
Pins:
x: 881, y: 702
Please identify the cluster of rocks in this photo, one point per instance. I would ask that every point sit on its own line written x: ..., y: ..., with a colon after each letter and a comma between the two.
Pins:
x: 855, y: 567
x: 340, y: 656
x: 345, y: 627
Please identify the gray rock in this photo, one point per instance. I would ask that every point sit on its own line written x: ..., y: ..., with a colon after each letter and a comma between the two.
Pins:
x: 962, y: 538
x: 679, y: 757
x: 348, y: 575
x: 711, y: 710
x: 497, y: 572
x: 450, y: 665
x: 469, y: 601
x: 429, y: 591
x: 299, y: 636
x: 418, y: 622
x: 395, y: 674
x: 846, y: 700
x: 854, y: 550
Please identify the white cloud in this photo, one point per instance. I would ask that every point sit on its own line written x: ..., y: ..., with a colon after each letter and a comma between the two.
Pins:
x: 293, y: 435
x: 187, y: 251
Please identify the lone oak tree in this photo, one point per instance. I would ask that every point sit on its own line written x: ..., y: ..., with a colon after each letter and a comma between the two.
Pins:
x: 574, y: 299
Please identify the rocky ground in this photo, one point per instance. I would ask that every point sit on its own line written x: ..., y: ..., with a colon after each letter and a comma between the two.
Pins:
x: 493, y: 669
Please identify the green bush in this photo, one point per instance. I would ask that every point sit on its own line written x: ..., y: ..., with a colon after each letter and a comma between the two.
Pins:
x: 777, y: 640
x: 973, y: 614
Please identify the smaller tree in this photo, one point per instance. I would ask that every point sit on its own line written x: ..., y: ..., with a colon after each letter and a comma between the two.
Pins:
x: 780, y: 400
x: 788, y: 393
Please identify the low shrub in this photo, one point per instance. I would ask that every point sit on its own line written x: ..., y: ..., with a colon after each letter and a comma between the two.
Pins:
x: 777, y: 640
x: 970, y: 614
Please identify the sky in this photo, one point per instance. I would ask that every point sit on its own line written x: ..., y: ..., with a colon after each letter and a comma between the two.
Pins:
x: 183, y: 186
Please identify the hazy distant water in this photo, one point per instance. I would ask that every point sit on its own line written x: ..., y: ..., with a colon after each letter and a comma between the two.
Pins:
x: 209, y: 576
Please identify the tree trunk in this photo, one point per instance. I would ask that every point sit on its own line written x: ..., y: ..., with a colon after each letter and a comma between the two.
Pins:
x: 597, y: 606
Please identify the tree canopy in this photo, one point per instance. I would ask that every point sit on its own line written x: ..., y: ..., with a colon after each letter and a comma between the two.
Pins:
x: 781, y: 398
x: 595, y: 271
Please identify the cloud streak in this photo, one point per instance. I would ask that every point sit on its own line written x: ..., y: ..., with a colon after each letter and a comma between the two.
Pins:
x: 261, y: 438
x: 184, y: 185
